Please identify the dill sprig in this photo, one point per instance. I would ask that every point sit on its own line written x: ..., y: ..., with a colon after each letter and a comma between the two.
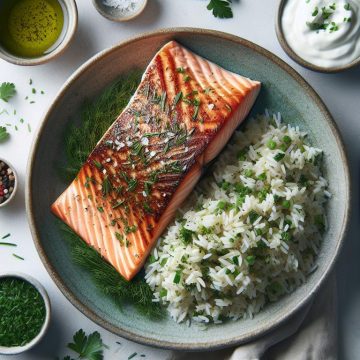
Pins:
x: 79, y: 140
x: 96, y: 116
x: 108, y: 280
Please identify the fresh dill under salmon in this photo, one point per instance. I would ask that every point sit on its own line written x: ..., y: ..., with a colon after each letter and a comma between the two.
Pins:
x: 180, y: 117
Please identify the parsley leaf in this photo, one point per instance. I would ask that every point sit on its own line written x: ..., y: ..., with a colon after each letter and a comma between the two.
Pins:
x: 221, y: 8
x: 7, y: 91
x: 88, y: 347
x: 4, y: 135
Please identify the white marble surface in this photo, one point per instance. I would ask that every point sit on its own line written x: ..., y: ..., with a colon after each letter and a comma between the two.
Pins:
x: 253, y: 20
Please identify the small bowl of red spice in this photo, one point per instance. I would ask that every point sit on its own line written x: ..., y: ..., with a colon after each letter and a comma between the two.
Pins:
x: 8, y: 182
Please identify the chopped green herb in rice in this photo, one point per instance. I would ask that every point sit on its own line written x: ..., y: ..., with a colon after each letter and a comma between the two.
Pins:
x: 249, y: 233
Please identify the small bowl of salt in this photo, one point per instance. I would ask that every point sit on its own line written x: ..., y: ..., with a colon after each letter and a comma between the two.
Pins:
x: 120, y: 10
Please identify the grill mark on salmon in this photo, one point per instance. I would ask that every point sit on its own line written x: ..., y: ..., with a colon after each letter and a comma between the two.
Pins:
x: 152, y: 156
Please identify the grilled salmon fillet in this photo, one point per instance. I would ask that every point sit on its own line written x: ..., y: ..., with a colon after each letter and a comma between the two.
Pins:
x: 180, y: 117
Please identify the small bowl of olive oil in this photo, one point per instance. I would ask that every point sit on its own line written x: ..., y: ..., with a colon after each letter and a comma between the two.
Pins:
x: 33, y: 32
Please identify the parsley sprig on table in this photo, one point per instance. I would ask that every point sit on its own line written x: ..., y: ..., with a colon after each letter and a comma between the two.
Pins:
x: 221, y: 8
x: 87, y: 347
x: 7, y: 91
x: 4, y: 135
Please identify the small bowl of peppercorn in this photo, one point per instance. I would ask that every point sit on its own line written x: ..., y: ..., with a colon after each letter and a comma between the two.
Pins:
x: 8, y: 182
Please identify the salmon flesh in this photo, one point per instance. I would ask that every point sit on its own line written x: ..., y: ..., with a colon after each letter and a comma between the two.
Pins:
x: 180, y: 117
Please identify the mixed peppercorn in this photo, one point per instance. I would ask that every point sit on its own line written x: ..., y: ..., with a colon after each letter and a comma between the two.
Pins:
x: 7, y: 182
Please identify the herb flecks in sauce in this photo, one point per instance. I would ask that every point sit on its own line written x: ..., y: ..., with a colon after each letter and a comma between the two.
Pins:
x: 29, y: 28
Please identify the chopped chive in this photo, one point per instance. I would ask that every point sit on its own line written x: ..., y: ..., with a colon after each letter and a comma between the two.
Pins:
x: 186, y: 235
x: 5, y: 236
x: 279, y: 156
x: 132, y: 355
x: 242, y: 155
x: 42, y: 92
x: 249, y: 173
x: 286, y: 204
x: 196, y: 112
x: 250, y: 259
x: 287, y: 139
x: 7, y: 244
x: 14, y: 111
x: 187, y: 78
x: 177, y: 277
x: 163, y: 262
x: 132, y: 184
x: 163, y: 292
x: 119, y: 203
x: 225, y: 185
x: 32, y: 102
x: 33, y: 90
x: 178, y: 97
x: 271, y: 144
x: 97, y: 164
x: 180, y: 70
x: 22, y: 120
x: 147, y: 208
x: 285, y: 236
x: 30, y: 81
x: 163, y: 100
x: 18, y: 257
x: 101, y: 209
x: 253, y: 215
x: 347, y: 7
x: 29, y: 128
x: 235, y: 260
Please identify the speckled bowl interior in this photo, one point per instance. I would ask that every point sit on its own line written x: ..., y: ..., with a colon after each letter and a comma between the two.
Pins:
x: 283, y: 90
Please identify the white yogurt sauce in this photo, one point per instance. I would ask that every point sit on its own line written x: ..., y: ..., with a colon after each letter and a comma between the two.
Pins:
x: 337, y: 43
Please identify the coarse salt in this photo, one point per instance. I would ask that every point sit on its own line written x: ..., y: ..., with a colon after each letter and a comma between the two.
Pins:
x: 125, y: 6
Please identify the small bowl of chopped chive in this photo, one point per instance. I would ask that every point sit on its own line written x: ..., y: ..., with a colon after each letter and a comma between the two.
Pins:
x: 8, y: 182
x: 120, y: 10
x: 25, y: 313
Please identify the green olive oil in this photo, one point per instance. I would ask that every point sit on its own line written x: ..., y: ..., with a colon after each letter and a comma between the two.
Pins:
x: 29, y: 28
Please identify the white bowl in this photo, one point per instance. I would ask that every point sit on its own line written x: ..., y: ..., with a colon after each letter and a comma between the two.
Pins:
x: 3, y: 204
x: 114, y: 14
x: 69, y: 29
x: 20, y: 349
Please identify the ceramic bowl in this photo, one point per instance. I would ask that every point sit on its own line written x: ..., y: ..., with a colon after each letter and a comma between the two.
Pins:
x: 283, y: 90
x: 293, y: 55
x: 69, y: 29
x: 114, y: 14
x: 11, y: 197
x: 20, y: 349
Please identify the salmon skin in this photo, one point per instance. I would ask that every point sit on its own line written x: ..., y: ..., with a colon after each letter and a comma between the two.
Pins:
x: 180, y: 117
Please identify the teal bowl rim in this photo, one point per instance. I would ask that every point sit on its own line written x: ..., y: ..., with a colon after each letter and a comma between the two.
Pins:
x: 173, y: 32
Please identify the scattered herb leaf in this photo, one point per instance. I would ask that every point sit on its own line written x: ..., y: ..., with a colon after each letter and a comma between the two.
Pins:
x: 7, y: 91
x: 220, y: 8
